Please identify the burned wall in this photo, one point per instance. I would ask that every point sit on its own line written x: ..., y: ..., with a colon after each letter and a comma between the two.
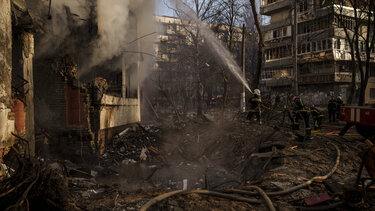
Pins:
x: 6, y: 125
x: 50, y: 93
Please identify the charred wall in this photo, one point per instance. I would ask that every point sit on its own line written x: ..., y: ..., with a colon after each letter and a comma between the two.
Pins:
x: 6, y: 125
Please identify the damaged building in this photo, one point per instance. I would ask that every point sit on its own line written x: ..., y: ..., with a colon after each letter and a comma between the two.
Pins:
x: 17, y: 28
x: 73, y: 99
x: 323, y: 50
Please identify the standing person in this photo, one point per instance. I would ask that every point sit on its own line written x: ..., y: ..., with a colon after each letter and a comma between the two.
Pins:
x: 332, y: 109
x: 300, y: 112
x: 255, y: 104
x: 317, y: 117
x: 339, y: 103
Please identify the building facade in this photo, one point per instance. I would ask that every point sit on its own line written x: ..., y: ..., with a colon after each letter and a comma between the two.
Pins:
x: 323, y: 50
x: 174, y: 70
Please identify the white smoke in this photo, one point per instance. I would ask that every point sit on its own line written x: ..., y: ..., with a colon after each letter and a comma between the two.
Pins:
x: 113, y: 26
x: 119, y: 22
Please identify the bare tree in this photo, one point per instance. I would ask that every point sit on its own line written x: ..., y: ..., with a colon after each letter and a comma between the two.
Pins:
x: 230, y: 17
x: 204, y: 11
x: 359, y: 27
x: 258, y: 72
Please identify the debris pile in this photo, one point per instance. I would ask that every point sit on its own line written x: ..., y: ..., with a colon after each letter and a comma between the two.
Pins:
x: 34, y: 186
x: 133, y: 145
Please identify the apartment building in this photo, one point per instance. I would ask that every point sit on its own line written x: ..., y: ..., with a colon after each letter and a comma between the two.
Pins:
x: 174, y: 71
x: 323, y: 51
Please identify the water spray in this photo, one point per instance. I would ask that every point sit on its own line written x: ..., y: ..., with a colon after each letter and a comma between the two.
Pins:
x: 221, y: 51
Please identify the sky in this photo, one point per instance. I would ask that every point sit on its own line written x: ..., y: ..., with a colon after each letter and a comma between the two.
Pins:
x: 162, y: 9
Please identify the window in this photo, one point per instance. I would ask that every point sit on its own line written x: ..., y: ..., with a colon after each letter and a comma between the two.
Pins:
x: 372, y: 93
x: 313, y: 46
x: 303, y: 48
x: 342, y: 68
x: 284, y: 31
x: 372, y: 72
x: 338, y: 44
x: 319, y: 46
x: 303, y: 5
x: 308, y: 47
x: 329, y: 44
x: 324, y: 44
x: 362, y: 46
x: 346, y: 45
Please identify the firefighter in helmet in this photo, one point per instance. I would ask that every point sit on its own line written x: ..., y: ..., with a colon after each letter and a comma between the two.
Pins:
x: 255, y: 104
x: 300, y: 112
x: 317, y: 117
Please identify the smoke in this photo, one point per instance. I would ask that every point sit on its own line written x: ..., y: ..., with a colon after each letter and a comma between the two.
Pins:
x: 217, y: 47
x: 114, y: 27
x: 59, y: 27
x: 98, y: 31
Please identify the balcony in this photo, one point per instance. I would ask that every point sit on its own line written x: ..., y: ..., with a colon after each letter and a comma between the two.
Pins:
x: 316, y: 79
x: 343, y: 77
x: 283, y: 81
x: 268, y: 9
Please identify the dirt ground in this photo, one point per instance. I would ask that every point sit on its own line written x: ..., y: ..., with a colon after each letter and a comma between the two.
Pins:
x: 221, y: 156
x: 225, y: 155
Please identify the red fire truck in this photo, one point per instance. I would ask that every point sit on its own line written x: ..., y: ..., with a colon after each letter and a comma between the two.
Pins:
x: 361, y: 116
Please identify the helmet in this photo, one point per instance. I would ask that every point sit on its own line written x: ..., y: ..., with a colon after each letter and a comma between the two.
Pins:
x: 257, y: 92
x: 339, y: 97
x: 295, y: 98
x: 312, y: 106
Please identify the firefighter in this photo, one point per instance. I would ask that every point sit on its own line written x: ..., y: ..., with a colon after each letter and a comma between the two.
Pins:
x: 332, y: 109
x: 317, y: 117
x: 339, y: 103
x: 300, y: 112
x: 255, y: 104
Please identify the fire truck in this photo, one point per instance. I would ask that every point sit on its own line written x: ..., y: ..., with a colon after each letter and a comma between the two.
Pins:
x: 362, y: 117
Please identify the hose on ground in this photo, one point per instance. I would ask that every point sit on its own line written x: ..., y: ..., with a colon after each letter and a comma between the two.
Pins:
x: 259, y: 191
x: 295, y: 188
x: 204, y: 192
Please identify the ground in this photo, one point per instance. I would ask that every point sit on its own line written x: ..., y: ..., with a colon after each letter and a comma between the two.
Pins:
x: 151, y: 159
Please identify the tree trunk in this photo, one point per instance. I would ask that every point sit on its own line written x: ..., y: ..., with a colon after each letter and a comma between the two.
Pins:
x: 256, y: 78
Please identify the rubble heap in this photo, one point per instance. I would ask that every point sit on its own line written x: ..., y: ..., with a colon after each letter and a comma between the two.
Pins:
x: 34, y: 186
x: 133, y: 145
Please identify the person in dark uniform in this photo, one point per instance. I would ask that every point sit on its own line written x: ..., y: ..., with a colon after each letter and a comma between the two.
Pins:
x: 255, y: 104
x: 317, y: 117
x: 332, y: 109
x: 300, y: 112
x: 339, y: 103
